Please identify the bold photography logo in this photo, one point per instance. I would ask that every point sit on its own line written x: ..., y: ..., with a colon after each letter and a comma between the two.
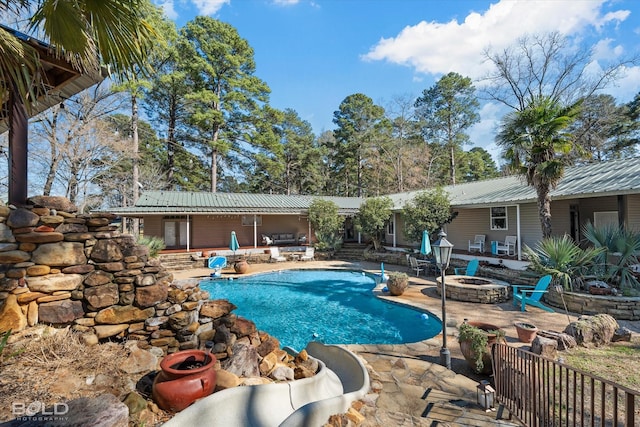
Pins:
x: 24, y: 409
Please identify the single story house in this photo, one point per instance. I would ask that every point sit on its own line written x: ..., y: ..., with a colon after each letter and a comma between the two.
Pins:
x: 197, y: 220
x: 602, y: 193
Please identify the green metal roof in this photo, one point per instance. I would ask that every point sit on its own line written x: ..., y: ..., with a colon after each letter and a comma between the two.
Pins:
x: 591, y: 180
x: 182, y: 202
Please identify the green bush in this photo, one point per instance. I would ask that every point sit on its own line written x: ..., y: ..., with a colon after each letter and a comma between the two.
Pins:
x: 562, y: 259
x: 619, y: 251
x: 155, y: 244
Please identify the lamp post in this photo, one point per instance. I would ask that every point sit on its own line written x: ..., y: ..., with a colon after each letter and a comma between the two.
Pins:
x: 442, y: 249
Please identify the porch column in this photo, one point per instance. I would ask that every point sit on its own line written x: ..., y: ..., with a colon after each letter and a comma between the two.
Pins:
x: 18, y: 143
x: 518, y: 233
x: 188, y: 234
x: 255, y: 231
x: 395, y: 229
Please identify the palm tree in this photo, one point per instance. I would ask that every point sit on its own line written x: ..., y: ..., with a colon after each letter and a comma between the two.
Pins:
x: 87, y: 35
x: 537, y: 143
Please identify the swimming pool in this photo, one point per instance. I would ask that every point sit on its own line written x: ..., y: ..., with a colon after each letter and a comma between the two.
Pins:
x: 331, y: 306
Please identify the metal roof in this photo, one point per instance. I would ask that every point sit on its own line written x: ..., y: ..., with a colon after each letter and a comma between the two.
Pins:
x: 181, y: 202
x: 596, y: 179
x: 591, y: 180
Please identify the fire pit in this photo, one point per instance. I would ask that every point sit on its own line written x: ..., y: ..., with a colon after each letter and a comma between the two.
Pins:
x: 475, y: 289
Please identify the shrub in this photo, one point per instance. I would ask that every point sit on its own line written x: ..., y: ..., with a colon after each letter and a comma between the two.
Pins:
x: 155, y: 244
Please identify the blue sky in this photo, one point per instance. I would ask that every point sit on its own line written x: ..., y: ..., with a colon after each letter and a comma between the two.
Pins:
x: 313, y: 54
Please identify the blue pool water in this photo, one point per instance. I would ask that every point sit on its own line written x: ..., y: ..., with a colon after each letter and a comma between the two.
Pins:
x: 332, y: 306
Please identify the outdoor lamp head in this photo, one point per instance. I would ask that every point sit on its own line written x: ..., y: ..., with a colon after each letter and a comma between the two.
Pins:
x: 442, y: 250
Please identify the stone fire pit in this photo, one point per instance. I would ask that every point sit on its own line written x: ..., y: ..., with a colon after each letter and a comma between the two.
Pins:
x: 475, y: 289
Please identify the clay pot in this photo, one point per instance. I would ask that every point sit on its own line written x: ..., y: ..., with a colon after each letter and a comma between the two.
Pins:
x: 466, y: 348
x: 241, y: 266
x: 185, y: 377
x: 397, y: 283
x: 526, y: 331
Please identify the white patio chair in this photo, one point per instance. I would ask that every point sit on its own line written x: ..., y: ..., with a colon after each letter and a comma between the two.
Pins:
x: 415, y: 265
x: 478, y: 243
x: 275, y: 254
x: 508, y: 247
x: 309, y: 254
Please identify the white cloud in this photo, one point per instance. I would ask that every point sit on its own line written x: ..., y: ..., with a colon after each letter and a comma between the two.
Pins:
x: 168, y: 8
x: 438, y: 48
x: 285, y: 2
x: 209, y: 7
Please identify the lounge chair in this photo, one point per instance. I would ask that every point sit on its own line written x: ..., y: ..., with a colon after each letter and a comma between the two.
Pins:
x: 508, y: 246
x: 469, y: 270
x: 531, y: 295
x: 275, y: 254
x: 478, y: 243
x: 309, y: 254
x: 217, y: 263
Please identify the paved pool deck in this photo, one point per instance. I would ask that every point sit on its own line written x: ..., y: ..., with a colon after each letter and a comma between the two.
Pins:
x: 409, y: 386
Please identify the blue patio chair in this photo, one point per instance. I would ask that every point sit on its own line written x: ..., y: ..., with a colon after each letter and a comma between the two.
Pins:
x: 470, y: 270
x: 531, y: 295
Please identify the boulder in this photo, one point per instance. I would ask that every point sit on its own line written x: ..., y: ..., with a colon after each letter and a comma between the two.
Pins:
x: 11, y: 315
x: 545, y: 347
x: 139, y: 361
x: 216, y: 308
x: 58, y: 203
x: 106, y: 331
x: 593, y: 330
x: 123, y: 314
x: 60, y: 312
x: 97, y: 278
x: 21, y: 218
x: 40, y: 237
x: 60, y: 254
x: 243, y: 361
x: 54, y: 282
x: 102, y: 296
x: 106, y: 251
x: 14, y: 257
x: 148, y: 296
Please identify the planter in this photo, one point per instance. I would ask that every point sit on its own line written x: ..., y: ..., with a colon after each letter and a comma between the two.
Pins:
x: 241, y: 266
x: 397, y: 283
x: 476, y: 339
x: 526, y: 331
x: 185, y: 377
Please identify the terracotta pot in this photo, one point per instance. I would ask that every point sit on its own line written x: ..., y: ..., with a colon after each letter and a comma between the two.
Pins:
x: 526, y: 331
x: 241, y: 266
x: 397, y: 285
x: 185, y: 377
x: 467, y: 350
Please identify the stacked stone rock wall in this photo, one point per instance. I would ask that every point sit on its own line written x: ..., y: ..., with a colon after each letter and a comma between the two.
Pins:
x: 62, y: 268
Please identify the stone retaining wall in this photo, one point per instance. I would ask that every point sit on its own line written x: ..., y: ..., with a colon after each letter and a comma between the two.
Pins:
x: 621, y: 308
x: 62, y: 268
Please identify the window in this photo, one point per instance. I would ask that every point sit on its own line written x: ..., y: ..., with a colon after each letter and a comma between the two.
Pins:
x: 391, y: 228
x: 247, y: 220
x: 499, y: 218
x: 605, y: 219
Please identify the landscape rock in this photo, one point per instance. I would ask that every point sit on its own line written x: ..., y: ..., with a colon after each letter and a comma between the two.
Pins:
x: 139, y: 361
x: 545, y: 347
x: 58, y: 203
x: 106, y: 331
x: 21, y: 218
x: 54, y: 282
x: 593, y: 330
x: 216, y: 308
x: 123, y: 314
x: 243, y: 362
x: 148, y: 296
x: 102, y: 296
x: 106, y: 251
x: 61, y: 254
x: 59, y: 312
x: 11, y: 315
